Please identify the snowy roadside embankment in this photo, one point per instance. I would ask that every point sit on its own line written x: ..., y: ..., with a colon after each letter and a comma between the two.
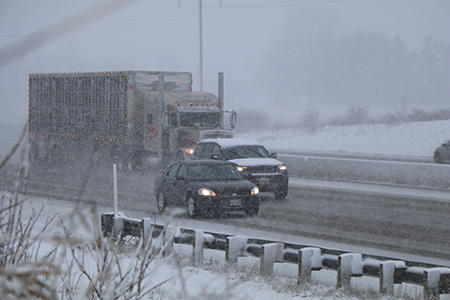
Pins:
x: 389, y: 145
x: 407, y: 139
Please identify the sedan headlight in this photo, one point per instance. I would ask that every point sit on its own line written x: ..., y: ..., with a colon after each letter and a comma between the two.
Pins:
x: 206, y: 192
x: 255, y: 191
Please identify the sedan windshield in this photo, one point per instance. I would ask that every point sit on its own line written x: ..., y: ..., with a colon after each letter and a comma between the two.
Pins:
x: 213, y: 173
x: 245, y: 151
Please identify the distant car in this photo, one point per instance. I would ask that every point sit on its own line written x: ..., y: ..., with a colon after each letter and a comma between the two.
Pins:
x: 442, y: 154
x: 206, y: 187
x: 252, y: 159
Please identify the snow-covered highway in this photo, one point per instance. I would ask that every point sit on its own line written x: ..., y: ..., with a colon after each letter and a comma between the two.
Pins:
x: 387, y: 218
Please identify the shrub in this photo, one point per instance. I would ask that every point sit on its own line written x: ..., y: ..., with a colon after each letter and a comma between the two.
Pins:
x: 310, y: 120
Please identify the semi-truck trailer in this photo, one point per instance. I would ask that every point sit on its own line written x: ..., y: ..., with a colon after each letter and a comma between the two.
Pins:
x: 128, y: 117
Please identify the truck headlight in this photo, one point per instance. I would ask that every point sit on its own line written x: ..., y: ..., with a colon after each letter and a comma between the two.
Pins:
x: 255, y: 191
x: 206, y: 192
x: 190, y: 151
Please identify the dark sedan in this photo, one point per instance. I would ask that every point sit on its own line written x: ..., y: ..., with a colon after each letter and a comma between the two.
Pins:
x: 206, y: 187
x: 442, y: 154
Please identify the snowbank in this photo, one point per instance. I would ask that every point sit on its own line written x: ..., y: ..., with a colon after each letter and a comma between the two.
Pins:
x: 408, y: 139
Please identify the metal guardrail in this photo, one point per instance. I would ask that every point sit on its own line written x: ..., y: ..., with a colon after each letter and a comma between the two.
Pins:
x: 434, y: 279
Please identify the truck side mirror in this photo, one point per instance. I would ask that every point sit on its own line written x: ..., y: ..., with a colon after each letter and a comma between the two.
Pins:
x: 273, y: 155
x: 233, y: 119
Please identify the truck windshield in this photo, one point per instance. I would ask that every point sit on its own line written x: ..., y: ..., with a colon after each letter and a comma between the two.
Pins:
x: 200, y: 119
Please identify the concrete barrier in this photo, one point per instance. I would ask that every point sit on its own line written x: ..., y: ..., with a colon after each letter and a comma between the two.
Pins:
x: 361, y: 170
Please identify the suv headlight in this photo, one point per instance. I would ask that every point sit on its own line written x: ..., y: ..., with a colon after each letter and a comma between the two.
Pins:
x: 241, y: 168
x: 282, y: 168
x: 206, y: 192
x: 255, y: 191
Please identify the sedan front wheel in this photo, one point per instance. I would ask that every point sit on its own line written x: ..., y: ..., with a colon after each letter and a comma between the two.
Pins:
x: 161, y: 202
x: 192, y: 207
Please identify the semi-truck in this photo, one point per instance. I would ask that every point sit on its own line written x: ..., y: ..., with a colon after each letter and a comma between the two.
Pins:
x: 132, y: 118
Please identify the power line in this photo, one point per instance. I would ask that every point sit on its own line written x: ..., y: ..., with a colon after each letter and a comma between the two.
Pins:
x: 211, y: 9
x: 45, y: 6
x: 117, y: 29
x: 276, y: 4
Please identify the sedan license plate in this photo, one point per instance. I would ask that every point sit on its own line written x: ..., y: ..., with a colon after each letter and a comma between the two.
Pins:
x: 235, y: 202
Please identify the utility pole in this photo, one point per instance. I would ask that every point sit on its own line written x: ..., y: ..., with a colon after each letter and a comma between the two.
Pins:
x: 201, y: 44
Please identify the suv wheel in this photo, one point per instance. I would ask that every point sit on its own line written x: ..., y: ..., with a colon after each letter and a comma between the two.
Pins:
x: 282, y: 192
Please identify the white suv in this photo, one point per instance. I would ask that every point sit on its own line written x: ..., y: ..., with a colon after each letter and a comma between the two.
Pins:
x: 252, y: 159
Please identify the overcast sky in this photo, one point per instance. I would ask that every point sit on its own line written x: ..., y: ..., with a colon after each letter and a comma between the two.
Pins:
x: 40, y: 37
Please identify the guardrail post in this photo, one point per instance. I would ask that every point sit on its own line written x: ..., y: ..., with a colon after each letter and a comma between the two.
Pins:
x: 168, y: 240
x: 270, y: 253
x: 107, y: 221
x: 146, y: 232
x: 197, y: 257
x: 349, y: 265
x: 309, y: 259
x: 436, y: 281
x: 119, y: 223
x: 236, y: 246
x: 391, y: 272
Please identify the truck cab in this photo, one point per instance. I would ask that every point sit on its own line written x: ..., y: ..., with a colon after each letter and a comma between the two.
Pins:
x: 185, y: 117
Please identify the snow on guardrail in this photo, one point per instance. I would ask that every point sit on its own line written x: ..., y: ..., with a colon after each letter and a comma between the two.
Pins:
x: 434, y: 279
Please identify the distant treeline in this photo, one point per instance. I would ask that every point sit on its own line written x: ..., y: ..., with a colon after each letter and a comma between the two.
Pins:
x: 310, y: 119
x: 314, y: 62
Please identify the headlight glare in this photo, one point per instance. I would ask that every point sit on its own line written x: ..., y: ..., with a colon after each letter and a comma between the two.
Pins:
x: 255, y: 191
x: 240, y: 168
x: 206, y: 192
x: 282, y: 168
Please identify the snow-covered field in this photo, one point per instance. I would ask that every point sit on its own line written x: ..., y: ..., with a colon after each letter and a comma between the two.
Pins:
x: 406, y: 139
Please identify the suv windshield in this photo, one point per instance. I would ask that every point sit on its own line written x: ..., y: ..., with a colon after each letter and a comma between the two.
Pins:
x: 213, y: 172
x: 246, y: 151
